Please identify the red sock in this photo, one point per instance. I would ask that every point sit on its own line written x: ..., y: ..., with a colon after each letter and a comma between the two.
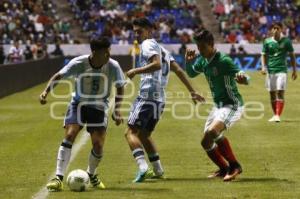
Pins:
x: 279, y: 107
x: 274, y: 103
x: 217, y: 158
x: 226, y: 151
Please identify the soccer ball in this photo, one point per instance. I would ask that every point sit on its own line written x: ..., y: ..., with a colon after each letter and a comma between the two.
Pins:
x: 78, y: 180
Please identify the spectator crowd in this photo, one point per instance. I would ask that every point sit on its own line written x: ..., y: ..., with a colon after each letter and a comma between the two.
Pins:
x: 248, y: 21
x: 175, y: 20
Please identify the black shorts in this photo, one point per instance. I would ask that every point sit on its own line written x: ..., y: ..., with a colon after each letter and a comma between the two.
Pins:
x: 93, y: 118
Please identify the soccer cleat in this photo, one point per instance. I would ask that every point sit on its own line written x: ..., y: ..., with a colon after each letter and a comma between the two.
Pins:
x: 55, y: 184
x: 275, y: 118
x: 142, y: 176
x: 221, y: 173
x: 234, y: 171
x: 96, y: 182
x: 158, y: 175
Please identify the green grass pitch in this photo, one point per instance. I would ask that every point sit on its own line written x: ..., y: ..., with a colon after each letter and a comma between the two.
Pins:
x: 268, y: 152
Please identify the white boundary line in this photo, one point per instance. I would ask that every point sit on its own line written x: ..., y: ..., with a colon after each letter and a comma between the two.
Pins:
x: 43, y: 192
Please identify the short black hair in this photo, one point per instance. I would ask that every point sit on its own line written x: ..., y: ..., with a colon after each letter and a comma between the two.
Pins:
x: 277, y: 23
x: 204, y: 36
x: 142, y: 22
x: 99, y: 43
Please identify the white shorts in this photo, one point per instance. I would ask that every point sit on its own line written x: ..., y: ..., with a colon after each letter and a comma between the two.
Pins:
x: 275, y: 82
x: 227, y: 114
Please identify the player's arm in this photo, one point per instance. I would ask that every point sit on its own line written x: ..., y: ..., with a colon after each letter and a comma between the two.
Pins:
x: 180, y: 74
x: 51, y: 84
x: 193, y: 68
x: 154, y: 65
x: 263, y: 63
x: 264, y: 58
x: 116, y: 116
x: 293, y: 63
x: 232, y: 70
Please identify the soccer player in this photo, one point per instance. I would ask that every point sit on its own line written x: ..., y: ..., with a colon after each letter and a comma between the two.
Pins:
x: 94, y: 76
x: 148, y: 106
x: 222, y: 75
x: 273, y: 60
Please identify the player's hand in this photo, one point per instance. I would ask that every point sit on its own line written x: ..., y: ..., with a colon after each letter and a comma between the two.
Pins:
x: 131, y: 73
x: 42, y: 97
x: 294, y: 75
x: 190, y: 55
x: 241, y: 78
x: 263, y: 71
x: 197, y: 98
x: 117, y: 117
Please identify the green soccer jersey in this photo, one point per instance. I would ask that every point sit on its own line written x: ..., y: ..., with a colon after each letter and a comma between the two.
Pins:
x: 220, y: 73
x: 276, y: 53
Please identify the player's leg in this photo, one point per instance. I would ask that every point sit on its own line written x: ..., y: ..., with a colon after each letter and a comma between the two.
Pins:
x: 72, y: 127
x: 137, y: 119
x: 228, y: 115
x: 271, y: 82
x: 212, y: 149
x: 63, y: 156
x: 153, y: 155
x: 280, y: 86
x: 96, y: 125
x: 136, y: 148
x: 280, y: 102
x: 273, y: 98
x: 154, y: 112
x: 95, y: 156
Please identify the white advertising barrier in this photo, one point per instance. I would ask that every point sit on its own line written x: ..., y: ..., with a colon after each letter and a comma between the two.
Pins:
x: 80, y: 49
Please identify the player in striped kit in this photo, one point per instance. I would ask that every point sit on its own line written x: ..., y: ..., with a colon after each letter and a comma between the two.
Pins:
x: 94, y: 75
x: 155, y: 65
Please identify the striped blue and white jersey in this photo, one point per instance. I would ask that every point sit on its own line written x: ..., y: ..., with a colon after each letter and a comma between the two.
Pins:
x: 152, y: 85
x: 93, y: 86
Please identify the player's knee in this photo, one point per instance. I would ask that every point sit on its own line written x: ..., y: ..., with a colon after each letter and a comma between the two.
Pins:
x: 211, y: 134
x: 71, y: 135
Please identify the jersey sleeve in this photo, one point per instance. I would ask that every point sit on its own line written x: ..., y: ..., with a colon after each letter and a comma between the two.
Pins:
x: 290, y: 46
x: 71, y: 69
x: 150, y: 48
x: 194, y: 69
x: 119, y: 77
x: 229, y: 67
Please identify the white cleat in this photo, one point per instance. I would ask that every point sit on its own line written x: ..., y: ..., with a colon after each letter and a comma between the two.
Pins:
x: 275, y: 118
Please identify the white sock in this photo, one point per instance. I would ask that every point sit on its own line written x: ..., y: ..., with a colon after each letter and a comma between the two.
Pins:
x: 155, y: 161
x: 63, y: 157
x: 94, y: 160
x: 139, y: 156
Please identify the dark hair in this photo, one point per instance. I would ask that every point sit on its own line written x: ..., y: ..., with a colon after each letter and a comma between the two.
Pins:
x: 277, y: 23
x: 204, y: 36
x: 142, y: 22
x: 99, y: 43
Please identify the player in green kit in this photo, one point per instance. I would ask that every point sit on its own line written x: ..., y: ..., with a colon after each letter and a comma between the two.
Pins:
x: 273, y: 60
x: 222, y: 75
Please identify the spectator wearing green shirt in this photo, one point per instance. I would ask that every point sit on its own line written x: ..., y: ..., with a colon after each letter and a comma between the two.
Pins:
x: 222, y: 75
x: 274, y: 64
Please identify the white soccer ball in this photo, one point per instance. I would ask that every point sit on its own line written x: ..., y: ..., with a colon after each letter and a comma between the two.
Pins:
x: 78, y: 180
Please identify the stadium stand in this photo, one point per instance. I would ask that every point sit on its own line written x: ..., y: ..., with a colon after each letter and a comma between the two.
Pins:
x: 175, y: 20
x: 248, y: 21
x: 32, y: 21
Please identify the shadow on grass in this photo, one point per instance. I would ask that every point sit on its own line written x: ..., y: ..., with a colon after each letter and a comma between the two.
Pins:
x: 290, y: 121
x: 238, y: 180
x: 136, y: 189
x: 264, y: 180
